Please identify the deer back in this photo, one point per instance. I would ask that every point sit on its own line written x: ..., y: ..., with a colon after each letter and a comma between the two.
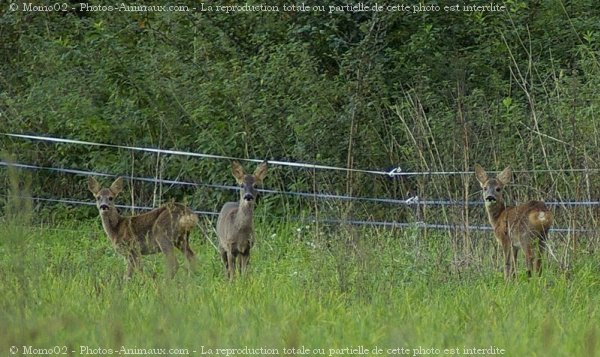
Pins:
x: 530, y: 218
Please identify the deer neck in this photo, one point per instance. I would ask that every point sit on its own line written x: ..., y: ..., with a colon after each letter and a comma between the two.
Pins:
x: 110, y: 222
x: 245, y: 212
x: 494, y: 210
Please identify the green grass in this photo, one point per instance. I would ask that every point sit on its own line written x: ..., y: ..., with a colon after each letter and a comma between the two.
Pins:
x: 320, y: 293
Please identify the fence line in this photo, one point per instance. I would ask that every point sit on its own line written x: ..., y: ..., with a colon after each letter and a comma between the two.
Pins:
x: 330, y: 221
x: 87, y: 203
x: 397, y: 171
x: 394, y: 172
x: 186, y: 153
x: 410, y: 201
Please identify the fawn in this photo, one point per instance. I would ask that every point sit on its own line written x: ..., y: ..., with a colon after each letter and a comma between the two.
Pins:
x: 147, y: 233
x: 234, y: 226
x: 525, y: 225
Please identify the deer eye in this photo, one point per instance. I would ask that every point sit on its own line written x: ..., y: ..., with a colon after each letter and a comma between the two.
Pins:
x: 497, y: 189
x: 110, y: 198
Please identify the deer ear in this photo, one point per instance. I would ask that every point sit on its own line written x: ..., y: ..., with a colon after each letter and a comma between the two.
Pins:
x: 117, y: 186
x: 238, y: 171
x: 480, y: 174
x: 261, y: 171
x: 505, y: 176
x: 93, y: 185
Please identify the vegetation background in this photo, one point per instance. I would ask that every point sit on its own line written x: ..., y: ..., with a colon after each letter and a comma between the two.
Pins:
x: 428, y: 92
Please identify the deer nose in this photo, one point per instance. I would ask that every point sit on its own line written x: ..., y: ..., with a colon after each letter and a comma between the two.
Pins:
x: 104, y: 207
x: 248, y: 197
x: 490, y: 198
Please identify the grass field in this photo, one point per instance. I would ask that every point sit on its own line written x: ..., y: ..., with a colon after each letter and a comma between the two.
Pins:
x: 340, y: 292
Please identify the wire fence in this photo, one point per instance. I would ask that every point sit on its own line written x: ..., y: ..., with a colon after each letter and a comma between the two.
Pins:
x: 409, y: 201
x: 330, y: 221
x: 396, y: 171
x: 414, y: 201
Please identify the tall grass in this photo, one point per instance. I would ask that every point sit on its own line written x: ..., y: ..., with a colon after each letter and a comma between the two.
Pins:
x: 341, y: 288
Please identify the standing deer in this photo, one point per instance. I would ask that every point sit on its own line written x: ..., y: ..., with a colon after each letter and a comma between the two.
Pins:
x: 525, y: 226
x: 234, y: 226
x: 148, y: 233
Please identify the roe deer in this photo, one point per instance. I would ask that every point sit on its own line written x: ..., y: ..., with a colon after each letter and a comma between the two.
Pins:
x: 147, y: 233
x: 234, y: 226
x: 525, y: 225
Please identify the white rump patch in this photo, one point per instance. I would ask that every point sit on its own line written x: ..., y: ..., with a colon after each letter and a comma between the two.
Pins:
x: 542, y: 216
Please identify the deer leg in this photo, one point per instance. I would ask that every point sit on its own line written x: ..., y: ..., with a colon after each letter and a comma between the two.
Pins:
x: 231, y: 265
x: 508, y: 259
x: 515, y: 255
x: 244, y: 259
x: 133, y: 263
x: 528, y: 258
x: 223, y: 254
x: 166, y: 246
x: 183, y: 244
x: 541, y: 249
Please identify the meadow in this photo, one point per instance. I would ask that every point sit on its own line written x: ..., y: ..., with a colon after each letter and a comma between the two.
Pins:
x: 311, y: 290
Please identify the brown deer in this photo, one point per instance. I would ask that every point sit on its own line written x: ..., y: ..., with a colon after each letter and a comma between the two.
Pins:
x: 234, y: 226
x: 524, y: 226
x: 148, y: 233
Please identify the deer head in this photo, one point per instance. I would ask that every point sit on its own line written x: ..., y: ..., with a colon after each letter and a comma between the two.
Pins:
x: 105, y: 196
x: 248, y: 183
x: 493, y: 187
